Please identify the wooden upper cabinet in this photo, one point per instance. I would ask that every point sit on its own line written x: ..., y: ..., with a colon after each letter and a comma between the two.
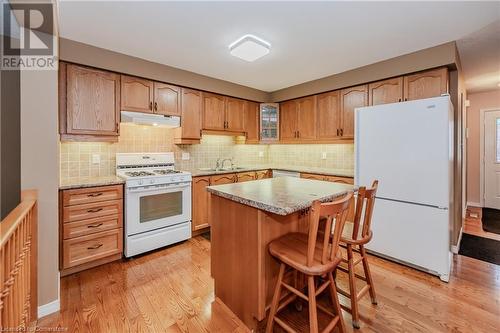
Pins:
x: 306, y: 118
x: 328, y: 115
x: 350, y: 99
x: 235, y: 114
x: 386, y: 91
x: 167, y: 99
x: 136, y: 94
x: 200, y: 203
x: 213, y: 111
x: 426, y: 84
x: 252, y: 110
x: 288, y: 120
x: 90, y: 101
x: 191, y: 114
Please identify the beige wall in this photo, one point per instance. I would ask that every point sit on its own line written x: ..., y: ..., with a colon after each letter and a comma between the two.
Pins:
x: 478, y: 101
x: 40, y: 170
x: 85, y: 54
x: 76, y: 157
x: 438, y: 56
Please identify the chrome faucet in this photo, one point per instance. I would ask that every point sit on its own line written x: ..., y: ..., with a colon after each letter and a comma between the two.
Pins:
x: 224, y: 161
x: 217, y: 164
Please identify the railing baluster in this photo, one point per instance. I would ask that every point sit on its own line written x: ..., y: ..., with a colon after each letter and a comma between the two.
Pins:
x: 18, y: 265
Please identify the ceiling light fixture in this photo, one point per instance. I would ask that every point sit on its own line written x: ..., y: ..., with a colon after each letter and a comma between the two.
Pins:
x: 249, y: 48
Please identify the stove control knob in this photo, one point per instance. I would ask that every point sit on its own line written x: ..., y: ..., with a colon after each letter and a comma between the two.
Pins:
x: 152, y: 181
x: 140, y: 182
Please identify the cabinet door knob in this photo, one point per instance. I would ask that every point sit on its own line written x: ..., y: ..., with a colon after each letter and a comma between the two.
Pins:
x: 94, y: 225
x: 151, y: 106
x: 94, y: 194
x: 156, y: 106
x: 94, y: 210
x: 94, y: 247
x: 337, y: 132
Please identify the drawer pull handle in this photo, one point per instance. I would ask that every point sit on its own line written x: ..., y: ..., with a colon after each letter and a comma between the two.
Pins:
x: 94, y: 210
x: 94, y: 247
x: 94, y: 225
x: 94, y: 194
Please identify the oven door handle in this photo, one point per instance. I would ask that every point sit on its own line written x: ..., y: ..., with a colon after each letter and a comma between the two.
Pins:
x: 157, y: 188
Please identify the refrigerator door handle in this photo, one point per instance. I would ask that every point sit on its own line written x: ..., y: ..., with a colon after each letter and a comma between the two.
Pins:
x: 413, y: 203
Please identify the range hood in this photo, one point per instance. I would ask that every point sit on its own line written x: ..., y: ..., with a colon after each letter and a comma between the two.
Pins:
x: 150, y: 119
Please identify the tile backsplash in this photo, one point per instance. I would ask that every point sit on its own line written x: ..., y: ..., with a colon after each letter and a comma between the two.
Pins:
x: 83, y: 159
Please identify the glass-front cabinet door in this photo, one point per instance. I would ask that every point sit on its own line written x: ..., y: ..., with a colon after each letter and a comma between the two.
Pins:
x: 269, y: 122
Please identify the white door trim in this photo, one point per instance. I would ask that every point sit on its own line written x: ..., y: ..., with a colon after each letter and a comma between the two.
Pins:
x: 481, y: 152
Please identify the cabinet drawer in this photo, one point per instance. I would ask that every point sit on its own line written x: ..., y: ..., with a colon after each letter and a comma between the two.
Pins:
x: 344, y: 180
x: 92, y: 194
x: 91, y: 226
x: 245, y: 176
x: 92, y: 210
x: 312, y: 176
x: 223, y: 179
x: 84, y: 249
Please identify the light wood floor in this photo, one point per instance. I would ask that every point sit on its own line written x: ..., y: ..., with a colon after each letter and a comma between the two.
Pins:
x: 473, y: 225
x: 171, y: 291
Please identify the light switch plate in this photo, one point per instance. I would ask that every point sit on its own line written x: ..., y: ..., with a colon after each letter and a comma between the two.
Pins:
x: 261, y: 154
x: 185, y: 156
x: 323, y: 156
x: 96, y: 158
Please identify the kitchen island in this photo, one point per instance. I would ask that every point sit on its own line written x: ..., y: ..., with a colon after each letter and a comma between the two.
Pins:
x: 244, y: 218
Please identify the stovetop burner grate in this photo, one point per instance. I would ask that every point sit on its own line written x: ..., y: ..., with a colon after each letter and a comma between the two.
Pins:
x: 139, y: 173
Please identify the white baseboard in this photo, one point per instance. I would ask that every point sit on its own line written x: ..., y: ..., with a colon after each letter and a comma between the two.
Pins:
x: 46, y: 309
x: 473, y: 204
x: 54, y: 306
x: 456, y: 248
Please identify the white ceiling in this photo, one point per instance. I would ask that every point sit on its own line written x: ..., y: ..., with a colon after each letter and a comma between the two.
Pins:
x: 309, y: 40
x: 480, y: 56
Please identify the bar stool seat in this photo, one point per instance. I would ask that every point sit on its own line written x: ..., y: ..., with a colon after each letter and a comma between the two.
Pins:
x: 313, y: 255
x: 292, y: 250
x: 354, y: 237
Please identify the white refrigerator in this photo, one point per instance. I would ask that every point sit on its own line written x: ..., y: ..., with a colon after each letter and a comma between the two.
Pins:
x: 408, y: 147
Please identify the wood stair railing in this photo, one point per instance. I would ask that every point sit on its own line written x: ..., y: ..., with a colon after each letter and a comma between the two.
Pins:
x: 18, y: 265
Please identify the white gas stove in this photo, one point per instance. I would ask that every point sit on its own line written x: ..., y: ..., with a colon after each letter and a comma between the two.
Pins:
x: 157, y: 201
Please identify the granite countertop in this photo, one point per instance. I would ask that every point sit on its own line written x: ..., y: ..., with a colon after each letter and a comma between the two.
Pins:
x: 80, y: 182
x: 283, y: 196
x: 321, y: 171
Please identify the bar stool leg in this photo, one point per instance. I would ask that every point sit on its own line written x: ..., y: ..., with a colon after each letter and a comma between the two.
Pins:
x: 352, y: 287
x: 276, y: 299
x: 336, y: 303
x: 368, y: 274
x: 313, y: 316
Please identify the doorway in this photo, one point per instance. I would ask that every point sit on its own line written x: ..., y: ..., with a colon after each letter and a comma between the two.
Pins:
x: 491, y: 159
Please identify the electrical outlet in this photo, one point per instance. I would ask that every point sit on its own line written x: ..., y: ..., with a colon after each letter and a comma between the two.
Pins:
x: 261, y: 154
x: 323, y: 156
x: 185, y: 156
x: 96, y: 158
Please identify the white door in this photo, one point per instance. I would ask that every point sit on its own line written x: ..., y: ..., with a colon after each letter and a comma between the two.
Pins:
x: 492, y: 159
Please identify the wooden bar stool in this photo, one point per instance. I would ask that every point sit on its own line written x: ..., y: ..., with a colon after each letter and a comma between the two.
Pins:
x: 313, y: 257
x: 354, y: 236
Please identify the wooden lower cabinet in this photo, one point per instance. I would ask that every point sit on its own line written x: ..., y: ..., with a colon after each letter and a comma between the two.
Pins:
x: 312, y: 176
x: 223, y: 179
x: 91, y: 227
x: 200, y: 203
x: 245, y: 176
x: 263, y: 174
x: 334, y: 179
